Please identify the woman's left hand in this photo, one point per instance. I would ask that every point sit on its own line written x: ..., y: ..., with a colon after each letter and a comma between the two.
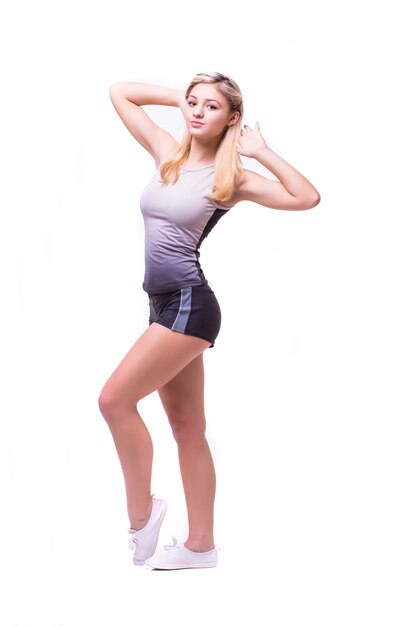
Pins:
x: 250, y: 141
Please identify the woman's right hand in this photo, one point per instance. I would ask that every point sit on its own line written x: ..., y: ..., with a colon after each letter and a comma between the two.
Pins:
x: 183, y: 103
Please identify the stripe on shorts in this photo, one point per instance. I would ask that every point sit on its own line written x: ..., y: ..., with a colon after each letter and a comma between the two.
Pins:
x: 184, y: 310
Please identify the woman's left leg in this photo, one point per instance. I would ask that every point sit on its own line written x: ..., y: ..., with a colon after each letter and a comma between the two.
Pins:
x: 183, y: 400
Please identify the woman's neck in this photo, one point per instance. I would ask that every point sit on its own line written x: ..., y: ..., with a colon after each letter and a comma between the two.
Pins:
x: 202, y: 154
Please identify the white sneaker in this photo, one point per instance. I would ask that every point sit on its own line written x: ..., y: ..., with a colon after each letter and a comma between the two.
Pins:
x: 144, y: 541
x: 179, y: 557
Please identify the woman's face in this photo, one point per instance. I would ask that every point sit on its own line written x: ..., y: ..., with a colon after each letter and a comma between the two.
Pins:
x: 206, y: 111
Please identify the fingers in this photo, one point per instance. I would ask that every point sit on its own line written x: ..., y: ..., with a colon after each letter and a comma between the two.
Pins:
x: 247, y: 128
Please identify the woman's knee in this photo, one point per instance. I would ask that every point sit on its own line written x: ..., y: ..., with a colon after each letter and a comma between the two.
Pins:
x: 106, y: 403
x: 186, y: 426
x: 111, y: 403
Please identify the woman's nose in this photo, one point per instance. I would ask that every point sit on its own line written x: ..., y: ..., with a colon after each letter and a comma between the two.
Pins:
x: 198, y: 111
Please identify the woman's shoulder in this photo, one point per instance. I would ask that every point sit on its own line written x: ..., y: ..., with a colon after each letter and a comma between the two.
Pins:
x: 242, y: 179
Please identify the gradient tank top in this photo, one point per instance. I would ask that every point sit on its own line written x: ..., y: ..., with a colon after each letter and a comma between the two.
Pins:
x: 177, y: 218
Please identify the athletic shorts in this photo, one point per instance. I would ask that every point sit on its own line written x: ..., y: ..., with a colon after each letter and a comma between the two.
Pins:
x: 190, y: 310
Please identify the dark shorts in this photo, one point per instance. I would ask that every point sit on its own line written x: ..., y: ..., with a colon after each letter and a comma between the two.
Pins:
x: 190, y: 310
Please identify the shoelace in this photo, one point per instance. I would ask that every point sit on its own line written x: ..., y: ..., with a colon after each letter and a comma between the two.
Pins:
x: 133, y: 540
x: 172, y: 546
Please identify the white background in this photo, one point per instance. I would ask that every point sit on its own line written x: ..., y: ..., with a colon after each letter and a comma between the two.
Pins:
x: 310, y: 388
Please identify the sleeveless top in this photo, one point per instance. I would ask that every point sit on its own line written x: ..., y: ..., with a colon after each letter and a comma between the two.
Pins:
x: 177, y: 217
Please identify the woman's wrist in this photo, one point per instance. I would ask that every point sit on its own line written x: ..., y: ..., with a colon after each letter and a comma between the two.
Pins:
x: 181, y: 100
x: 263, y: 153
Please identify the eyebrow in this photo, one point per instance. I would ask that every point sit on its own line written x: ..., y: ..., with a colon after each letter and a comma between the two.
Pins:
x: 206, y: 100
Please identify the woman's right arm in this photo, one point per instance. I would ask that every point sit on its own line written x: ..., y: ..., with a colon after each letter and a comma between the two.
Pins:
x: 128, y: 98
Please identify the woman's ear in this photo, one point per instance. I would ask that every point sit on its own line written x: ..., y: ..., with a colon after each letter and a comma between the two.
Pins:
x: 235, y: 118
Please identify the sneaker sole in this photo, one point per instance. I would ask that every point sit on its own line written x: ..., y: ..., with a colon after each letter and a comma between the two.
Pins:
x: 155, y: 543
x: 162, y: 566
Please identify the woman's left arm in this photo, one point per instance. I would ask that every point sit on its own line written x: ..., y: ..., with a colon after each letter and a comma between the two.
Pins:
x: 292, y: 191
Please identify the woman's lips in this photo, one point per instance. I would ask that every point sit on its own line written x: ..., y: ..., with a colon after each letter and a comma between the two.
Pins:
x: 194, y: 123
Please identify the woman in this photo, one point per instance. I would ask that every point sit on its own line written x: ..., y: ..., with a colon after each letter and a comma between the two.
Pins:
x: 195, y: 183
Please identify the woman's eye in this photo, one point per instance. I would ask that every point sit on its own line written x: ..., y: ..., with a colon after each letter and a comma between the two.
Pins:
x: 211, y: 107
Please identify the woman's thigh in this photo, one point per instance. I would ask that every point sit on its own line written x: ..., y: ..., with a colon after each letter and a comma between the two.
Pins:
x: 183, y: 398
x: 157, y: 356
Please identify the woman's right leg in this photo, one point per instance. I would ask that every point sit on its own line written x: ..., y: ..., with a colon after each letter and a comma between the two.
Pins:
x: 157, y: 356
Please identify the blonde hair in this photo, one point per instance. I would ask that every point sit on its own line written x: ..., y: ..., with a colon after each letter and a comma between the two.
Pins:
x: 227, y: 161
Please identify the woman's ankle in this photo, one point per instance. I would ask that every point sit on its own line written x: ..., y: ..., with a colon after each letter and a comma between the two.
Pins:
x: 140, y: 517
x: 199, y: 545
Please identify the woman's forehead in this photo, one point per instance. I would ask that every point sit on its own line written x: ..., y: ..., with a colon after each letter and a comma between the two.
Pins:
x: 207, y: 91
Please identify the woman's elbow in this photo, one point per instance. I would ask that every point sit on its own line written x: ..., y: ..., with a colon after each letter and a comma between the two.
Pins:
x: 114, y: 87
x: 315, y: 200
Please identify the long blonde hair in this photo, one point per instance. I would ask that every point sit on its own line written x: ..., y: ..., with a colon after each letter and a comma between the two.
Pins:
x: 227, y: 161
